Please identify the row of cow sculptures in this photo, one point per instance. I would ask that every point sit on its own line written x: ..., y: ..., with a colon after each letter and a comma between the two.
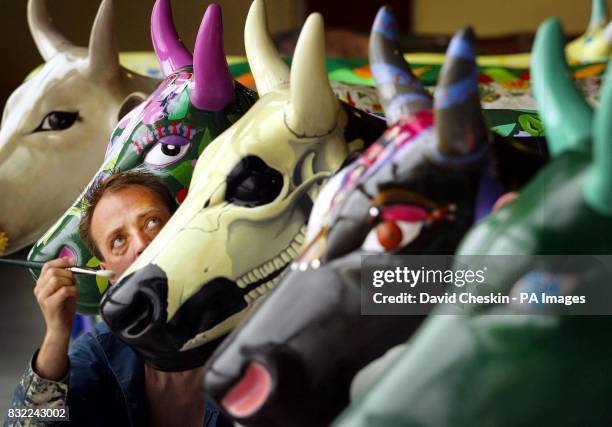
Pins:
x: 70, y: 107
x: 292, y: 177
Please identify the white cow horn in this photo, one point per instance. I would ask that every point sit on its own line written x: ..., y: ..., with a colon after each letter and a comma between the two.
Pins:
x: 268, y: 68
x: 103, y: 56
x: 314, y: 107
x: 48, y: 39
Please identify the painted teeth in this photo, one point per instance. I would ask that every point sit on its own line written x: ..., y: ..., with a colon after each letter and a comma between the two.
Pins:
x: 269, y: 268
x: 292, y: 252
x: 261, y: 272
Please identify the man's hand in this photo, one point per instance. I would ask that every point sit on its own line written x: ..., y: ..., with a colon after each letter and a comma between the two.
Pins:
x: 56, y: 296
x: 175, y: 398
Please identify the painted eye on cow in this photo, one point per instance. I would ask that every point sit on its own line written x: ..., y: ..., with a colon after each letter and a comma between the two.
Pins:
x: 168, y: 150
x: 253, y: 183
x: 389, y: 235
x: 57, y: 120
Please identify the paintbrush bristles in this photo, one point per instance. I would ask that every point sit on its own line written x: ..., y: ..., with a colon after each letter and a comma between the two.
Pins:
x: 106, y: 273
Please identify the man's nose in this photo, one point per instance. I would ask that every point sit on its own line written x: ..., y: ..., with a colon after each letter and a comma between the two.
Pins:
x: 140, y: 240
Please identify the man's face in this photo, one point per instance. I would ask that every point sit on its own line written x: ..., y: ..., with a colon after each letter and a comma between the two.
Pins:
x: 123, y: 224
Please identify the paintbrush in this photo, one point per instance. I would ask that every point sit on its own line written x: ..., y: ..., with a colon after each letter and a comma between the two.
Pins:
x: 38, y: 265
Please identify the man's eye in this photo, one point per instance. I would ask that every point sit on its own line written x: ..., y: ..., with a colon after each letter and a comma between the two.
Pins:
x: 153, y: 223
x: 117, y: 242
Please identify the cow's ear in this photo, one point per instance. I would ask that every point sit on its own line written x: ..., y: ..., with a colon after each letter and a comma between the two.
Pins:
x: 130, y: 102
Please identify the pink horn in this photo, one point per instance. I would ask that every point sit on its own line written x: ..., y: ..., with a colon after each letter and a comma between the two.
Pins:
x: 169, y: 49
x: 213, y: 84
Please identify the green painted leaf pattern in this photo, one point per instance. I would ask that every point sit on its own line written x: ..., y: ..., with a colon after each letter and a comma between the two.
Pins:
x: 531, y: 124
x: 180, y: 107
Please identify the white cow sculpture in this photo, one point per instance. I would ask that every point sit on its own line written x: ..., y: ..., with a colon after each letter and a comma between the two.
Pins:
x: 56, y: 125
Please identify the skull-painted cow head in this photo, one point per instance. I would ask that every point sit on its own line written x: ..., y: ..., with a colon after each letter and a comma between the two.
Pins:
x: 244, y: 219
x: 548, y: 368
x: 416, y: 191
x: 165, y: 134
x: 56, y: 125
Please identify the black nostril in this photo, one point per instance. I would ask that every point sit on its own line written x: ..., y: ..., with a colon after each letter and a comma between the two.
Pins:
x: 144, y: 312
x: 137, y: 304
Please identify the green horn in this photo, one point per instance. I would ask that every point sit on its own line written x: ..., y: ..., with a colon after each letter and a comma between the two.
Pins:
x: 598, y: 184
x: 566, y: 115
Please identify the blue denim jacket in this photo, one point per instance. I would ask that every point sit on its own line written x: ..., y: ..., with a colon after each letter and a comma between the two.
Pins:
x: 105, y: 386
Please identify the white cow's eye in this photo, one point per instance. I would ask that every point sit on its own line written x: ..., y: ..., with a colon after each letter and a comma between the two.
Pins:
x: 167, y: 151
x: 57, y: 120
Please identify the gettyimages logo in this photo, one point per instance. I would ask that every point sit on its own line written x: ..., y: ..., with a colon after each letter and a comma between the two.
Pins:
x: 424, y: 276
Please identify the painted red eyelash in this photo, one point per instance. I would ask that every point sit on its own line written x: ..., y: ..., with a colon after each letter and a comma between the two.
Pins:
x: 414, y: 213
x: 408, y: 213
x: 153, y: 134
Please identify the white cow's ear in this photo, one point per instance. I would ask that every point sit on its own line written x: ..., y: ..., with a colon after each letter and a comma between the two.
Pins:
x: 130, y: 102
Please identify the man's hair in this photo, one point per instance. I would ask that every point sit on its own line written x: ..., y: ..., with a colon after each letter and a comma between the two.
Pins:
x: 112, y: 183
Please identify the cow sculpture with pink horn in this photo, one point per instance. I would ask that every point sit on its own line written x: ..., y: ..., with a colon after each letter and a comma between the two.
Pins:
x: 55, y: 126
x: 244, y: 219
x: 196, y: 101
